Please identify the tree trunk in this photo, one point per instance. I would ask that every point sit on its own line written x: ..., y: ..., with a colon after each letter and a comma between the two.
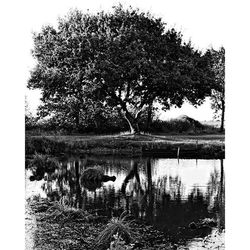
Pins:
x: 133, y: 123
x: 222, y: 115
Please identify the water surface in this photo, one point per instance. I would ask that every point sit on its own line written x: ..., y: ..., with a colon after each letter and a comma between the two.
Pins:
x: 167, y: 193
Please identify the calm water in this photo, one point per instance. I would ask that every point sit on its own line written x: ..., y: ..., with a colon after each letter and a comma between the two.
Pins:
x: 166, y: 193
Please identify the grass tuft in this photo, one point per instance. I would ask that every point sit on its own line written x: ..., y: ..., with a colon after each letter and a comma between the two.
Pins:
x: 120, y: 226
x: 62, y: 212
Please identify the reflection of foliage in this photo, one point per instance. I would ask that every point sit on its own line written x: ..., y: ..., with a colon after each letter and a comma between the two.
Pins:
x: 64, y: 183
x: 216, y: 195
x: 213, y: 188
x: 175, y: 187
x: 41, y: 164
x: 162, y: 202
x: 93, y: 177
x: 172, y: 185
x: 92, y: 174
x: 174, y: 214
x: 131, y: 174
x: 91, y: 185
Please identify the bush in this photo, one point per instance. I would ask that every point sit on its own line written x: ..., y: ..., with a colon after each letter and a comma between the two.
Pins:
x: 181, y: 124
x: 43, y: 146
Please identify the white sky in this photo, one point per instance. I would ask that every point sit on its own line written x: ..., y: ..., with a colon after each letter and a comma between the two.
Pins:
x: 192, y: 18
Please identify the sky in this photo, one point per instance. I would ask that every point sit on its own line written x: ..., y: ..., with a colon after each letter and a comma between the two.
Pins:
x: 192, y: 18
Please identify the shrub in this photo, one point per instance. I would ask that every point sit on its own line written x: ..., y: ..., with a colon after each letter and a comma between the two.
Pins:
x: 181, y: 124
x: 43, y: 146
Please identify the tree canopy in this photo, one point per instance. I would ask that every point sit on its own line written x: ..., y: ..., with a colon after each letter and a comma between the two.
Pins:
x: 218, y: 92
x: 124, y: 61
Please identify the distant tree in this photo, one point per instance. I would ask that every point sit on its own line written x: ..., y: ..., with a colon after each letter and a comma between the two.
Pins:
x: 30, y: 120
x: 218, y: 93
x: 125, y: 59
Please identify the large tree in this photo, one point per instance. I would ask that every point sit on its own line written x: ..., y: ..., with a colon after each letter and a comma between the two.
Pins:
x: 126, y: 59
x: 218, y: 92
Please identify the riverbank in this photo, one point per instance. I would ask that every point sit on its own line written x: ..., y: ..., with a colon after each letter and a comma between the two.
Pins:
x: 58, y: 226
x: 207, y: 146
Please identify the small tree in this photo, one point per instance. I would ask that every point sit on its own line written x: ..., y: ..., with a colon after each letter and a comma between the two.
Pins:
x: 218, y: 93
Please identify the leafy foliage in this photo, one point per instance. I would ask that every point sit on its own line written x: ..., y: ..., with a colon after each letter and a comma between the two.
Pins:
x: 95, y: 66
x: 178, y: 125
x: 218, y: 93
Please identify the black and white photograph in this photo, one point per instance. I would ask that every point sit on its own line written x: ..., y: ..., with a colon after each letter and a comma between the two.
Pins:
x: 124, y: 131
x: 124, y: 125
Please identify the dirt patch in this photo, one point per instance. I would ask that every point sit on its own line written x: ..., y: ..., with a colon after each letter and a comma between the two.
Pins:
x: 214, y: 241
x: 30, y: 228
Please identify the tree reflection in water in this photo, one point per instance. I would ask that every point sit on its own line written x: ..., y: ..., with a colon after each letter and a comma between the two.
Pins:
x: 158, y: 200
x: 216, y: 195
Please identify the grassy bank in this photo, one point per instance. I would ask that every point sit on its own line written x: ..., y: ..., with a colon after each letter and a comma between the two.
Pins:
x: 161, y: 145
x: 61, y: 227
x: 58, y: 226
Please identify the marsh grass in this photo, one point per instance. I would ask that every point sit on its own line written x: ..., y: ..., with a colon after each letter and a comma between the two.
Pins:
x: 120, y: 226
x: 62, y: 212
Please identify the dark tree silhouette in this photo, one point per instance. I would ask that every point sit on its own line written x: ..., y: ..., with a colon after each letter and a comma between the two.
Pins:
x: 218, y: 93
x: 124, y: 60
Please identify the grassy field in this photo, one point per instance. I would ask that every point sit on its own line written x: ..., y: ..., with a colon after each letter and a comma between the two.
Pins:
x: 165, y: 145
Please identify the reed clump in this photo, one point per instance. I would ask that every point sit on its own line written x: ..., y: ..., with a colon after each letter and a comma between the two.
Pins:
x: 60, y: 211
x: 120, y: 226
